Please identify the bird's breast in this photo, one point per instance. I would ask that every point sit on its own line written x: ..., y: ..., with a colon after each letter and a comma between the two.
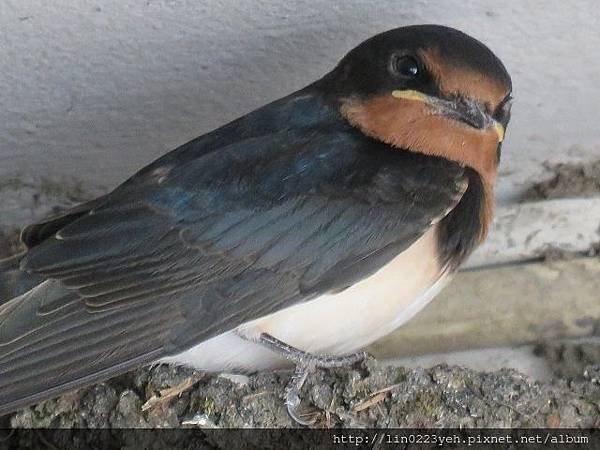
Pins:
x: 333, y: 323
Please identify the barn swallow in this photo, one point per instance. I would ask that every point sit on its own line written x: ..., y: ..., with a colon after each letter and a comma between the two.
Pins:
x: 303, y: 231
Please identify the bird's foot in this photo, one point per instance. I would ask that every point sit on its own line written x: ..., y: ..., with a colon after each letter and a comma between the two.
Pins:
x: 306, y: 363
x: 300, y: 357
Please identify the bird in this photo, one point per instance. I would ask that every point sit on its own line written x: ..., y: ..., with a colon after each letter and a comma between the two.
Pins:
x: 297, y: 234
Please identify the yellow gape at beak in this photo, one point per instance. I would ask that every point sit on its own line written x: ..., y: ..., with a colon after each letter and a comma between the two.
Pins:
x: 499, y: 129
x: 410, y: 94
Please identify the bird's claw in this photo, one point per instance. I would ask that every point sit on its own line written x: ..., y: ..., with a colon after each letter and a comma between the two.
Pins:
x: 303, y: 369
x: 292, y: 403
x: 305, y: 364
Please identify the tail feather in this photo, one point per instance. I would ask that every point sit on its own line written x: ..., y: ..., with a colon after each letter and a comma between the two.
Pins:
x: 50, y: 342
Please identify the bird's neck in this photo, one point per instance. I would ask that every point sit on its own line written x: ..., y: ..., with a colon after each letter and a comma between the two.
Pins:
x: 467, y: 225
x: 406, y: 129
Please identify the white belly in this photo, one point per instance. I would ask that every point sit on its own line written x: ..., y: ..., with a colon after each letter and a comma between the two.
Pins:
x: 335, y: 323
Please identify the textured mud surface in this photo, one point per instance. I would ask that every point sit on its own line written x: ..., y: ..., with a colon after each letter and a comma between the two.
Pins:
x: 9, y: 242
x: 569, y: 359
x: 24, y: 200
x: 371, y: 395
x: 567, y: 181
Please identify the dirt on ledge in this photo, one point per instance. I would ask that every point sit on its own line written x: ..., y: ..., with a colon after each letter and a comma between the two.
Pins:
x: 372, y: 395
x: 568, y: 181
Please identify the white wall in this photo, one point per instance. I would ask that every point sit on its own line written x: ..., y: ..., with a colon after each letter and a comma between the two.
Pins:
x: 95, y: 89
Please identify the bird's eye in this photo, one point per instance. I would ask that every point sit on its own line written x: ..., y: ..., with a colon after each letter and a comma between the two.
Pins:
x: 406, y: 66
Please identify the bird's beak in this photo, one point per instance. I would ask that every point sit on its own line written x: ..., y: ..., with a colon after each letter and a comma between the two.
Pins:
x: 464, y: 110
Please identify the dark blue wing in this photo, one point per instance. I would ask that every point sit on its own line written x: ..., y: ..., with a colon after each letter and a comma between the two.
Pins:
x: 240, y: 223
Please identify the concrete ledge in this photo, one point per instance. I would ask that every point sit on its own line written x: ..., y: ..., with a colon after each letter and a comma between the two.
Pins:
x: 504, y: 306
x: 526, y: 231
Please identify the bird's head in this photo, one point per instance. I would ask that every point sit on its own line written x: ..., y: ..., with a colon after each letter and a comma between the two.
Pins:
x: 429, y: 89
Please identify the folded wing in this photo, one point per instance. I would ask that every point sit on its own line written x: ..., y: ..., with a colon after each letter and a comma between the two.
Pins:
x: 184, y: 252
